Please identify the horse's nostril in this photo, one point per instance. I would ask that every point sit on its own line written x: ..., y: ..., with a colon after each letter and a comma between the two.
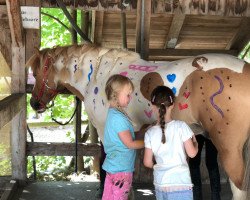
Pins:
x: 34, y: 104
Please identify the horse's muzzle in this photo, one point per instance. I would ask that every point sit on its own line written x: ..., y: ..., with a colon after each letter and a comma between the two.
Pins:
x: 36, y: 105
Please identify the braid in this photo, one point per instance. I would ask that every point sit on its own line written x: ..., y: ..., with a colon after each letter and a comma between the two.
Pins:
x: 162, y: 97
x: 162, y: 112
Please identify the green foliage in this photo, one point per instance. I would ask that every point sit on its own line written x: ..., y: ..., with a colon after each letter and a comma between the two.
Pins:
x: 5, y: 161
x: 46, y: 166
x: 54, y: 33
x: 246, y: 53
x: 62, y: 110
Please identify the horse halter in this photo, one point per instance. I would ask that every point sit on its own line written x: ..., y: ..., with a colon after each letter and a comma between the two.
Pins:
x: 44, y: 86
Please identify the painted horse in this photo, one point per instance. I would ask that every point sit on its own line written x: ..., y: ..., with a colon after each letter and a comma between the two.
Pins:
x: 212, y: 93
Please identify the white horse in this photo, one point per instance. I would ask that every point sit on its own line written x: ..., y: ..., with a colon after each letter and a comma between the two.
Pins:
x: 212, y: 94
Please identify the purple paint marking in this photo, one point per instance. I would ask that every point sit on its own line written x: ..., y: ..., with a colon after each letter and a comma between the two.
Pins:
x: 143, y: 68
x: 96, y: 90
x: 216, y: 93
x: 75, y: 68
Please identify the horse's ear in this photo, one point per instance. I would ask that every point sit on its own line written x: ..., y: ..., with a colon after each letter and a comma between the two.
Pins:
x: 34, y: 60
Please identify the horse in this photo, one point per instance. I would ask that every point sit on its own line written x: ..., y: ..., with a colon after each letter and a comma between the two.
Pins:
x: 212, y: 95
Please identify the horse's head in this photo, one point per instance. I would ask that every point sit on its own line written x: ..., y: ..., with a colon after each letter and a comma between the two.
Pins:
x: 46, y: 87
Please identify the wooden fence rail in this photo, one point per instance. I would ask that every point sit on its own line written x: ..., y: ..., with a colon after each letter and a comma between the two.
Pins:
x: 62, y: 149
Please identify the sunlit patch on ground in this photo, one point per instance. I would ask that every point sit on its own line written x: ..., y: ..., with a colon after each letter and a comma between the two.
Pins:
x: 145, y: 192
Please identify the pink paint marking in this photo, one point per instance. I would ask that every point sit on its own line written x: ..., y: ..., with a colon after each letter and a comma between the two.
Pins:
x: 186, y: 94
x: 143, y: 68
x: 183, y: 106
x: 124, y: 73
x: 149, y: 114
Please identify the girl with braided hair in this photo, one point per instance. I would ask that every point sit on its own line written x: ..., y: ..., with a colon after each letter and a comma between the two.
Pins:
x: 168, y: 142
x: 119, y: 140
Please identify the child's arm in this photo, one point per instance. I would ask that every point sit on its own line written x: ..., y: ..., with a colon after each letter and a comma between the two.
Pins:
x: 127, y: 139
x: 139, y: 135
x: 148, y: 158
x: 191, y: 147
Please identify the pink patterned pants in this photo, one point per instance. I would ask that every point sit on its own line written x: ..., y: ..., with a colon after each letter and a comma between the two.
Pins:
x: 117, y: 186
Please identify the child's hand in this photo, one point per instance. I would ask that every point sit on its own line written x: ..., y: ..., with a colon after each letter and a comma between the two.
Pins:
x: 139, y: 135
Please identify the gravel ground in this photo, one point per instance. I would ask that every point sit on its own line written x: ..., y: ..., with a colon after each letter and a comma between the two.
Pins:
x: 53, y: 134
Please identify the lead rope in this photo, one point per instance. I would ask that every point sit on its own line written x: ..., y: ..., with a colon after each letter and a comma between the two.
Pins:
x: 61, y: 123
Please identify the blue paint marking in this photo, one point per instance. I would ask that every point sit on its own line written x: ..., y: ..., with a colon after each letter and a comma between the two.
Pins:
x: 174, y: 90
x: 171, y: 77
x: 91, y: 72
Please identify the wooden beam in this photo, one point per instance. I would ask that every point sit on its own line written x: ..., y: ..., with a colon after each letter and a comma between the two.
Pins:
x: 62, y: 149
x: 18, y: 145
x: 175, y: 30
x: 85, y: 23
x: 138, y: 27
x: 145, y: 28
x: 18, y: 70
x: 124, y: 30
x: 15, y: 22
x: 239, y: 33
x: 10, y: 106
x: 97, y: 27
x: 243, y: 36
x: 176, y: 54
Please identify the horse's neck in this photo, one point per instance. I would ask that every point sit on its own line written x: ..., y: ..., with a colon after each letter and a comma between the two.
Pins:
x: 74, y: 91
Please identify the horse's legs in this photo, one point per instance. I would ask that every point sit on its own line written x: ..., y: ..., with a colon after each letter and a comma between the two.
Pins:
x: 194, y: 164
x: 237, y: 194
x: 233, y: 164
x: 102, y: 174
x: 213, y: 169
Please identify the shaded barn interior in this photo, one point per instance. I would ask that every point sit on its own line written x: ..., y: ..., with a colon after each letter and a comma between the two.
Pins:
x: 158, y: 30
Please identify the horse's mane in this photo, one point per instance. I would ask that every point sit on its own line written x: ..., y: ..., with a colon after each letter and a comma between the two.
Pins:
x: 67, y: 52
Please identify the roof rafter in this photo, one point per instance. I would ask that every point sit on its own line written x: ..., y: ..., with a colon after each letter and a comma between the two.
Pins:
x: 174, y: 30
x: 242, y: 37
x: 15, y: 22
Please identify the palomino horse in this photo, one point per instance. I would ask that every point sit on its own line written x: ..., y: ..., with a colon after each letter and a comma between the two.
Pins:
x: 212, y: 94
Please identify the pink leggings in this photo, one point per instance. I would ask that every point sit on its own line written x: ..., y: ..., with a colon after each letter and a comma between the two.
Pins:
x: 117, y: 186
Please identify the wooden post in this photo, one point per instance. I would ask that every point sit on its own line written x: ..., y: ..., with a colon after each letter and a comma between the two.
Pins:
x: 79, y: 164
x: 138, y: 27
x: 18, y: 130
x: 85, y: 23
x: 123, y: 29
x: 143, y: 28
x: 18, y: 144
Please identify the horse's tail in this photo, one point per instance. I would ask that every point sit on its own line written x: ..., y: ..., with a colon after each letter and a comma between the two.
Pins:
x: 246, y: 183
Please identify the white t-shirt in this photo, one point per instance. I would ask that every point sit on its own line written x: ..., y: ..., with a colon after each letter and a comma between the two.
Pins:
x: 172, y: 167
